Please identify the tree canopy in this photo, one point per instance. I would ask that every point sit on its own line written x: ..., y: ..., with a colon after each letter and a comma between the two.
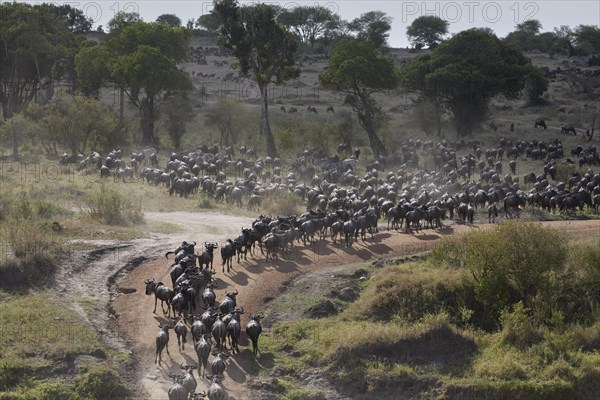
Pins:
x: 357, y: 69
x: 38, y: 49
x: 169, y: 19
x: 373, y: 26
x: 427, y: 30
x: 463, y: 73
x: 264, y: 49
x: 140, y: 58
x: 310, y: 23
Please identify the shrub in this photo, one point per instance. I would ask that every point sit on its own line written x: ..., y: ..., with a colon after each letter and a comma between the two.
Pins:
x: 112, y: 208
x: 511, y: 263
x: 282, y: 202
x: 101, y: 383
x: 518, y: 328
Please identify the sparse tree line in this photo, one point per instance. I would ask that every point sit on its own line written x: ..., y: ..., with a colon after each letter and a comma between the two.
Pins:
x: 458, y: 76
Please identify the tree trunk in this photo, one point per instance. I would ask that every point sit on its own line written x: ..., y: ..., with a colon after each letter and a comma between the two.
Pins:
x: 15, y: 142
x: 376, y: 143
x: 265, y: 127
x: 147, y: 122
x: 121, y: 105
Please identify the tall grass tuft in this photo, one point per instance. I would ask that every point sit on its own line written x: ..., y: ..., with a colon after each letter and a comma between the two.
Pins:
x: 112, y: 208
x: 282, y: 203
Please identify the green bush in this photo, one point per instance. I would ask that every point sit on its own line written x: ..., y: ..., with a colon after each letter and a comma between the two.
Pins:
x: 101, y: 383
x: 112, y: 208
x: 512, y: 262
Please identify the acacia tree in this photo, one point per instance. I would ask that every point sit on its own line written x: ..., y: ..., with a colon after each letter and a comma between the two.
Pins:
x: 357, y: 69
x: 263, y: 48
x: 463, y: 73
x: 427, y: 30
x: 310, y: 23
x: 141, y: 59
x: 169, y: 19
x: 373, y: 26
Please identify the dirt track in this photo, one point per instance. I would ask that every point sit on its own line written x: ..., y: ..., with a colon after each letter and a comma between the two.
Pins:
x: 258, y: 281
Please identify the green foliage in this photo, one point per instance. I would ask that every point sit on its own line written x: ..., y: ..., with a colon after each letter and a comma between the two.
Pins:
x: 511, y: 263
x: 112, y: 208
x: 177, y: 111
x: 536, y: 86
x: 310, y: 23
x: 141, y: 58
x: 38, y: 48
x: 587, y: 38
x: 263, y: 48
x: 76, y: 124
x: 229, y: 118
x: 463, y: 73
x: 518, y: 326
x: 171, y: 20
x: 372, y: 26
x: 359, y: 70
x: 398, y: 292
x: 101, y: 383
x: 427, y: 30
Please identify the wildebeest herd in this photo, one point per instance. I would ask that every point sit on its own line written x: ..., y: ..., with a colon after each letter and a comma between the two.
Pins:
x: 193, y: 287
x: 430, y: 182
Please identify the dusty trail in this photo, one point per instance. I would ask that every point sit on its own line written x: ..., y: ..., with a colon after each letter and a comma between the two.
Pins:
x: 107, y: 286
x: 258, y: 282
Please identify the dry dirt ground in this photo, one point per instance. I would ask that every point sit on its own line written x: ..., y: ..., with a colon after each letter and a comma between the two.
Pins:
x: 113, y: 279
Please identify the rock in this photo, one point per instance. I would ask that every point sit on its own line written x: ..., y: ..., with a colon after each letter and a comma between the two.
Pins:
x: 322, y: 309
x: 151, y: 377
x: 98, y: 353
x: 380, y: 263
x: 348, y: 294
x: 359, y: 273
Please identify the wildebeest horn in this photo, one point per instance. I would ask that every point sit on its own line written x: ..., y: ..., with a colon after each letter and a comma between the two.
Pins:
x: 241, y: 310
x: 261, y: 315
x: 236, y: 292
x: 194, y: 243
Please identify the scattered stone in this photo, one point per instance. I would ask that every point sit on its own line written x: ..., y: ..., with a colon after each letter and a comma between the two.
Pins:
x: 380, y: 263
x: 98, y: 353
x: 151, y: 377
x: 359, y: 273
x: 348, y: 294
x: 324, y: 308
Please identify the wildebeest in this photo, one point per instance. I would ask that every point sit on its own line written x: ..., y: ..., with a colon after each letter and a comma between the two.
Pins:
x: 177, y: 391
x: 540, y: 123
x: 208, y: 296
x: 162, y: 341
x: 181, y: 331
x: 253, y: 330
x: 227, y: 253
x: 206, y: 257
x: 234, y: 329
x: 568, y: 130
x: 219, y: 332
x: 188, y: 381
x: 492, y: 212
x: 229, y: 302
x: 162, y: 292
x: 203, y: 348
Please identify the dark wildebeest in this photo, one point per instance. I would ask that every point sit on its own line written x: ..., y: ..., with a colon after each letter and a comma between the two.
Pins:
x: 540, y: 123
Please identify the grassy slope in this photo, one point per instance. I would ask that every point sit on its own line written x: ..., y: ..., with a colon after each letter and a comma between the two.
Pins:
x: 405, y: 338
